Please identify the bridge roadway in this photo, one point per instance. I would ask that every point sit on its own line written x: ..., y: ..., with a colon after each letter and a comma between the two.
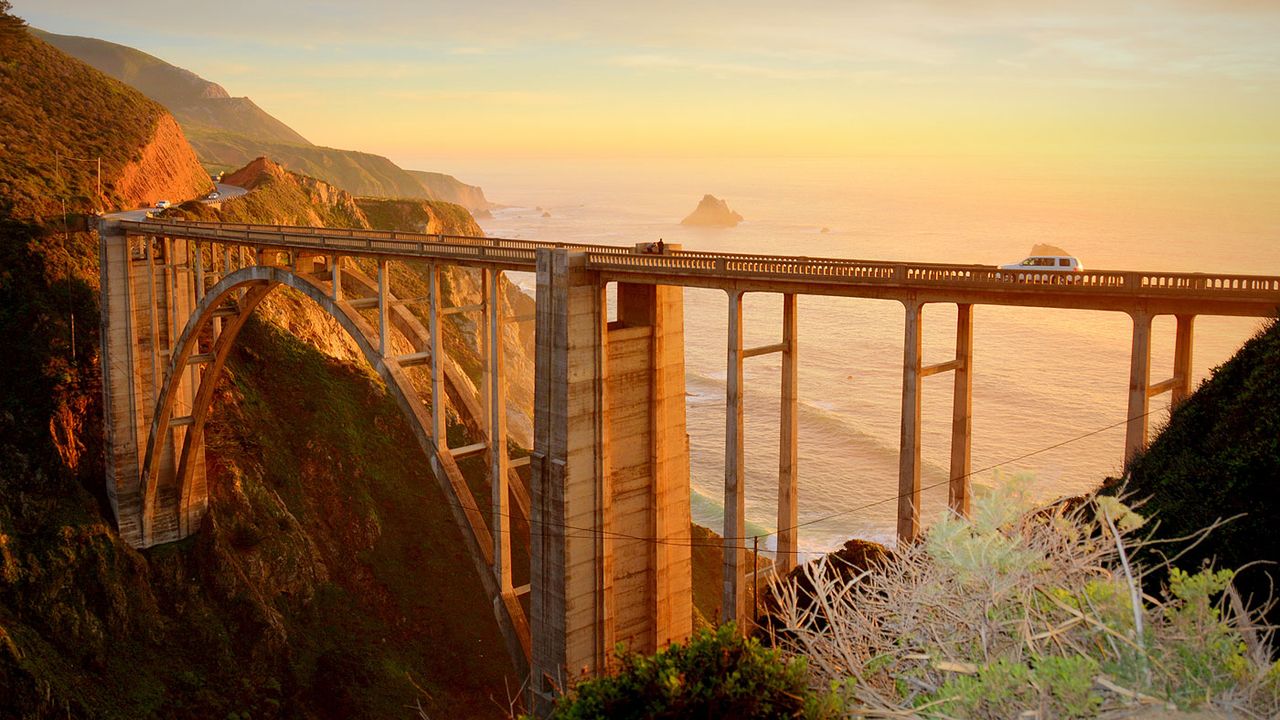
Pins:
x: 1113, y: 290
x: 609, y: 452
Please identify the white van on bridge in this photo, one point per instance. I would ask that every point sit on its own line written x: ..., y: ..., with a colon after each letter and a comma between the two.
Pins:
x: 1032, y: 266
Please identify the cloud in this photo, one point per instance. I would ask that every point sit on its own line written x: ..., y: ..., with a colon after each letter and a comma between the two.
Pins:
x: 653, y: 61
x: 491, y: 97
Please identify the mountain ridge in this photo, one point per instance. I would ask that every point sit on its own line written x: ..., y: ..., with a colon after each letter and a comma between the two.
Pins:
x: 228, y: 132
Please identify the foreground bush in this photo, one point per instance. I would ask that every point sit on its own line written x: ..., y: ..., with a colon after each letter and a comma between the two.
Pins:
x: 1019, y: 611
x: 718, y: 674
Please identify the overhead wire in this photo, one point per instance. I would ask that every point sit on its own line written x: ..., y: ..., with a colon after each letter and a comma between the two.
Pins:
x: 592, y: 533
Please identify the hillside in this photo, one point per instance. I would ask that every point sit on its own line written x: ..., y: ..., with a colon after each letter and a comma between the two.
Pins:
x: 59, y: 116
x: 451, y: 189
x: 229, y: 132
x: 199, y: 105
x: 356, y: 172
x: 304, y: 593
x: 1219, y: 456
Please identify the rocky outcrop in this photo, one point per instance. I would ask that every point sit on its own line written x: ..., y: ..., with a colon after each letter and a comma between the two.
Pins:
x: 167, y: 169
x: 450, y: 189
x: 712, y: 212
x: 60, y: 117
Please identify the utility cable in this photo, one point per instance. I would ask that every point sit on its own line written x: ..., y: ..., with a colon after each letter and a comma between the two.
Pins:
x: 591, y: 533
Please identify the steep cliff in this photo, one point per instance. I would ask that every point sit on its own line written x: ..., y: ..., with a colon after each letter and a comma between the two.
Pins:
x: 228, y: 132
x: 450, y: 189
x: 59, y: 117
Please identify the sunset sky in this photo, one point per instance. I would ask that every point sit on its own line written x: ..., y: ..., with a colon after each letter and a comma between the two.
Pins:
x: 416, y: 81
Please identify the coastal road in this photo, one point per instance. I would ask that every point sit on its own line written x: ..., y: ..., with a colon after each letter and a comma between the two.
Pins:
x: 225, y: 192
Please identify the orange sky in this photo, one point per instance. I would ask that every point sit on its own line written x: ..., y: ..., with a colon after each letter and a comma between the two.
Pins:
x: 422, y: 81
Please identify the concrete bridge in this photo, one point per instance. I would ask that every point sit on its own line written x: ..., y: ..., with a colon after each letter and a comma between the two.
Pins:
x: 607, y: 499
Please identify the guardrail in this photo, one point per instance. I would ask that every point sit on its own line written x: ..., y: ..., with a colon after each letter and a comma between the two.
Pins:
x: 399, y: 235
x: 836, y: 270
x: 727, y: 266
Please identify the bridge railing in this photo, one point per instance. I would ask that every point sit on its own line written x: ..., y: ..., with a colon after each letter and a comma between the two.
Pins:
x: 412, y: 237
x: 624, y: 259
x: 840, y: 270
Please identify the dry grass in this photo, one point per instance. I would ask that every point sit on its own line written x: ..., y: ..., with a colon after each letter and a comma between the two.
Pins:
x: 1022, y: 612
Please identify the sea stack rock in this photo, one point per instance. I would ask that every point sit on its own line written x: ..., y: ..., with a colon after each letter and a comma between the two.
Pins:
x: 1047, y: 249
x: 712, y: 212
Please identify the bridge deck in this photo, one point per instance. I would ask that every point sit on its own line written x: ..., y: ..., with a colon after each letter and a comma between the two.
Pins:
x: 1118, y: 290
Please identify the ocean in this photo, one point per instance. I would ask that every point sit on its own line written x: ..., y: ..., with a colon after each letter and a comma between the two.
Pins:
x: 1049, y: 387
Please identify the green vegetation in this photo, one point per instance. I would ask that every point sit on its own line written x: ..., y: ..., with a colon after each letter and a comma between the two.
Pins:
x: 718, y: 673
x: 356, y: 172
x: 1020, y: 609
x: 1219, y: 457
x: 426, y: 216
x: 58, y: 112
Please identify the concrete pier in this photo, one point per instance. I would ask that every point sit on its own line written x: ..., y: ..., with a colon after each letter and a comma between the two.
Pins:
x: 909, y: 439
x: 962, y: 412
x: 610, y: 474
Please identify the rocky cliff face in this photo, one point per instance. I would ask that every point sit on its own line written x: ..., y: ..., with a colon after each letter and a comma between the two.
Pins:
x: 59, y: 117
x: 450, y: 189
x: 166, y: 169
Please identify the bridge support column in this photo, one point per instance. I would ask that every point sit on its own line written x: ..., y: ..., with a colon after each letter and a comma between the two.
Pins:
x: 788, y: 435
x: 962, y: 412
x: 909, y: 449
x: 197, y: 255
x: 733, y: 602
x: 384, y: 330
x: 438, y: 418
x: 335, y: 277
x: 1135, y: 439
x: 569, y: 478
x: 1182, y: 348
x: 499, y: 462
x: 610, y: 463
x: 145, y: 295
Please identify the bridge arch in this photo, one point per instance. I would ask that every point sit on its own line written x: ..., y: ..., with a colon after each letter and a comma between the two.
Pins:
x: 246, y: 289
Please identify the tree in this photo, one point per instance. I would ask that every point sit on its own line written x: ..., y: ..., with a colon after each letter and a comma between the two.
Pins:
x: 10, y: 24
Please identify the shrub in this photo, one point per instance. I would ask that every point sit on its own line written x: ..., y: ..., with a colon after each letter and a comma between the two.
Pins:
x: 1023, y: 610
x: 718, y: 673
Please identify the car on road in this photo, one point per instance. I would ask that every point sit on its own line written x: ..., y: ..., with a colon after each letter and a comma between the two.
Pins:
x: 162, y: 204
x: 213, y: 195
x: 1052, y: 269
